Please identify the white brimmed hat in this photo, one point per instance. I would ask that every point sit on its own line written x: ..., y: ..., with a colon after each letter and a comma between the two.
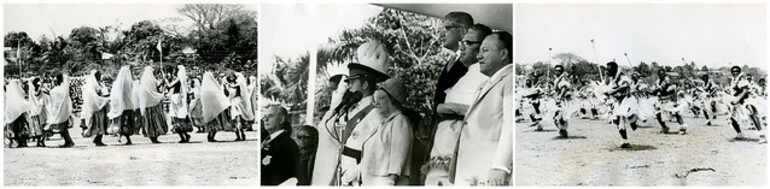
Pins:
x: 372, y: 57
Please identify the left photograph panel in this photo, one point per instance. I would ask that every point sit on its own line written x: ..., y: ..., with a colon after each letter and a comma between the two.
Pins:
x: 130, y: 94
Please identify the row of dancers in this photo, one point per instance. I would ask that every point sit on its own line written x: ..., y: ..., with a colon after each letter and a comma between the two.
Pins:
x: 626, y: 101
x: 126, y: 106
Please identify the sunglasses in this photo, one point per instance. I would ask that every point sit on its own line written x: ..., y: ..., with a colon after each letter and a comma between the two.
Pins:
x: 303, y: 137
x: 469, y: 43
x: 450, y: 27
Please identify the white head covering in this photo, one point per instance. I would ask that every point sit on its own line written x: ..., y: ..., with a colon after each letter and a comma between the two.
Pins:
x: 92, y: 102
x: 36, y: 102
x: 178, y: 107
x: 121, y: 94
x: 246, y: 106
x: 148, y: 92
x: 136, y: 91
x: 15, y: 105
x: 196, y: 88
x: 181, y: 75
x: 60, y: 107
x: 213, y: 99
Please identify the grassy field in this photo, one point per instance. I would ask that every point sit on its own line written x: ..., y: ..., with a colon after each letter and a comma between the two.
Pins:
x: 591, y: 156
x: 144, y: 163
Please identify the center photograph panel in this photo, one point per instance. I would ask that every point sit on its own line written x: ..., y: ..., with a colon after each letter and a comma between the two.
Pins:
x: 386, y: 94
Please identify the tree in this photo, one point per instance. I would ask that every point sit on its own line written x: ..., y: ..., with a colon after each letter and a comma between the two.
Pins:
x: 568, y: 58
x: 288, y: 83
x: 208, y: 16
x: 223, y: 31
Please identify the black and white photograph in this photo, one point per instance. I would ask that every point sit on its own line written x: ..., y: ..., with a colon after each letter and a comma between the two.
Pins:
x: 130, y: 94
x: 641, y: 94
x: 387, y: 94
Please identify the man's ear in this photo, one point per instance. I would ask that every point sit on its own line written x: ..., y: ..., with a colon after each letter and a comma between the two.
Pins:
x: 504, y: 53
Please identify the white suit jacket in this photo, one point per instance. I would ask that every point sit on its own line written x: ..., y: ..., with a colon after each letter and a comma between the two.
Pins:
x: 328, y: 151
x: 486, y: 141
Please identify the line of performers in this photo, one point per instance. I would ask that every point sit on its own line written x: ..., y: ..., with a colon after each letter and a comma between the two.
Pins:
x: 126, y: 106
x: 627, y: 101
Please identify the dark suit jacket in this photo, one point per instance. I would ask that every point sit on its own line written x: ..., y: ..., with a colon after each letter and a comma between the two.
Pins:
x: 284, y: 157
x: 447, y: 79
x: 305, y: 172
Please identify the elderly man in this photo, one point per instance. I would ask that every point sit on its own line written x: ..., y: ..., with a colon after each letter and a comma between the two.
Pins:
x: 343, y: 128
x: 280, y: 155
x: 485, y: 146
x: 452, y: 111
x: 456, y: 25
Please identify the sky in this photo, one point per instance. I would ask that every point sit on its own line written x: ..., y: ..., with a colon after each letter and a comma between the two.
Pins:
x: 713, y: 34
x: 294, y: 28
x: 45, y: 19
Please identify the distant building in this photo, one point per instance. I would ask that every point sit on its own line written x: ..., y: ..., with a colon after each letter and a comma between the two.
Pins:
x: 10, y: 54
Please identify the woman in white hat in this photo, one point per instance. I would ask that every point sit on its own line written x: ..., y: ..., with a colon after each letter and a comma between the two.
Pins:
x: 16, y: 117
x: 196, y: 111
x: 386, y: 153
x: 153, y: 118
x: 37, y: 99
x: 122, y: 104
x: 178, y: 109
x: 94, y: 109
x: 214, y: 104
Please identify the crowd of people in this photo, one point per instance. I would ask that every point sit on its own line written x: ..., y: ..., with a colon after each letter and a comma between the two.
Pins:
x: 127, y: 104
x: 625, y: 100
x: 368, y: 135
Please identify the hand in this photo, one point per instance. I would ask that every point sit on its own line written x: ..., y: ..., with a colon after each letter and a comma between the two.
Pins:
x: 498, y: 178
x: 350, y: 175
x: 444, y: 109
x: 393, y: 177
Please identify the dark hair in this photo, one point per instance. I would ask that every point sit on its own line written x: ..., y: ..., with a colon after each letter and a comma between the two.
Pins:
x: 507, y: 40
x: 559, y: 66
x: 313, y: 133
x: 36, y: 82
x: 464, y: 19
x: 482, y: 29
x: 735, y: 67
x: 59, y: 79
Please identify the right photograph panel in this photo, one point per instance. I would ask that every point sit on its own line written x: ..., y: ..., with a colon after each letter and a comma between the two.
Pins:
x: 640, y: 94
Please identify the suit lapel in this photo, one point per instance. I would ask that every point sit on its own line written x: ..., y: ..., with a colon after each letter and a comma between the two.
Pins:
x: 488, y: 86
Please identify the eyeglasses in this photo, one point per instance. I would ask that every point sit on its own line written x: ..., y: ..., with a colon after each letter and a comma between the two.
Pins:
x: 469, y: 43
x: 451, y: 27
x: 303, y: 136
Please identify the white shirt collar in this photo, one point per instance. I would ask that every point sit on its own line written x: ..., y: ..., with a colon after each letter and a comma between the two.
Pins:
x: 500, y: 72
x: 364, y: 102
x: 274, y: 135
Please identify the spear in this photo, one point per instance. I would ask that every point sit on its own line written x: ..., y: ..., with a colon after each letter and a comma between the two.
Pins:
x: 548, y: 62
x: 596, y: 57
x: 629, y: 60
